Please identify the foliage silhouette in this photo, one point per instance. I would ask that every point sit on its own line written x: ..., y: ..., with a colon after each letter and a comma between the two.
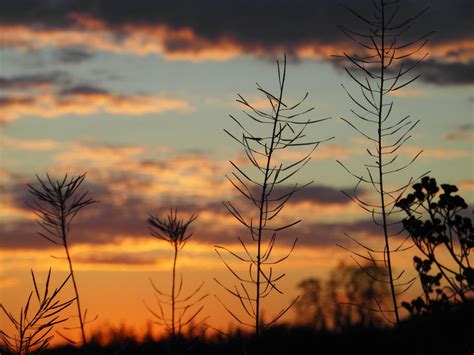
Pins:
x: 263, y: 136
x: 174, y: 230
x: 444, y: 232
x: 56, y: 204
x: 377, y: 71
x: 33, y: 329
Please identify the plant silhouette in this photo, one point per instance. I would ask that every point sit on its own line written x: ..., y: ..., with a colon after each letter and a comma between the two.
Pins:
x: 263, y: 136
x: 33, y: 329
x: 438, y: 228
x: 56, y: 204
x: 378, y: 70
x: 182, y: 308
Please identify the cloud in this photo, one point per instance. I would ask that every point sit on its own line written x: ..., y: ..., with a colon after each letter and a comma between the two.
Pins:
x: 86, y: 101
x: 28, y: 144
x: 323, y: 152
x: 317, y: 194
x: 130, y: 185
x: 466, y: 185
x: 224, y: 30
x: 118, y: 258
x: 436, y: 153
x: 464, y: 132
x: 409, y: 92
x: 33, y: 81
x: 73, y: 55
x: 446, y: 73
x: 148, y: 171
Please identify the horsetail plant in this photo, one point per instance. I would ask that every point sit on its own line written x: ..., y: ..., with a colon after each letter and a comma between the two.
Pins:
x: 182, y: 308
x: 56, y: 204
x: 384, y: 65
x: 33, y: 329
x: 264, y: 136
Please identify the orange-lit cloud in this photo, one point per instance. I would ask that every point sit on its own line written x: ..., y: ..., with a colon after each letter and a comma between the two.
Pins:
x: 467, y: 185
x: 29, y: 144
x: 50, y: 105
x: 185, y: 43
x: 464, y: 133
x: 437, y: 153
x: 136, y: 169
x: 409, y: 92
x: 11, y: 212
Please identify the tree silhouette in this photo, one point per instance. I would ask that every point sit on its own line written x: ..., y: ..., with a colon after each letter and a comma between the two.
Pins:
x: 349, y: 298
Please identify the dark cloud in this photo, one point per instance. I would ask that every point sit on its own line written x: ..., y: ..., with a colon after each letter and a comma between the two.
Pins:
x: 12, y: 100
x: 29, y: 81
x: 263, y: 26
x: 317, y: 194
x: 262, y: 21
x: 73, y: 55
x: 446, y: 73
x: 83, y: 90
x: 117, y: 259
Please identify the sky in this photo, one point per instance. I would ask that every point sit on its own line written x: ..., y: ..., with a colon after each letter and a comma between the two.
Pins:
x: 138, y: 96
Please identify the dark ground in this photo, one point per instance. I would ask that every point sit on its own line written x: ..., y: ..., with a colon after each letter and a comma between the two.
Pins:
x: 448, y: 334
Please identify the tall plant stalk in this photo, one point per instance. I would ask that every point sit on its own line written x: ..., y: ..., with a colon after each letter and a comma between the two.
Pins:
x: 263, y: 138
x: 56, y: 204
x: 174, y: 231
x: 384, y: 66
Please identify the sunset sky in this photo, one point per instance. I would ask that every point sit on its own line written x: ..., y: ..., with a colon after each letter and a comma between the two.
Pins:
x: 137, y: 95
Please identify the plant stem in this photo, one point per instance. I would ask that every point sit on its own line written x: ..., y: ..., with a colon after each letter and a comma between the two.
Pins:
x: 263, y: 200
x: 380, y: 166
x: 173, y: 300
x: 71, y: 271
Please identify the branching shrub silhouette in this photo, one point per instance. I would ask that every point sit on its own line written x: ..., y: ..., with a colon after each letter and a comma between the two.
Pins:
x: 33, y: 329
x: 438, y: 228
x: 182, y: 308
x: 263, y: 136
x: 56, y: 204
x: 329, y: 304
x: 378, y: 70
